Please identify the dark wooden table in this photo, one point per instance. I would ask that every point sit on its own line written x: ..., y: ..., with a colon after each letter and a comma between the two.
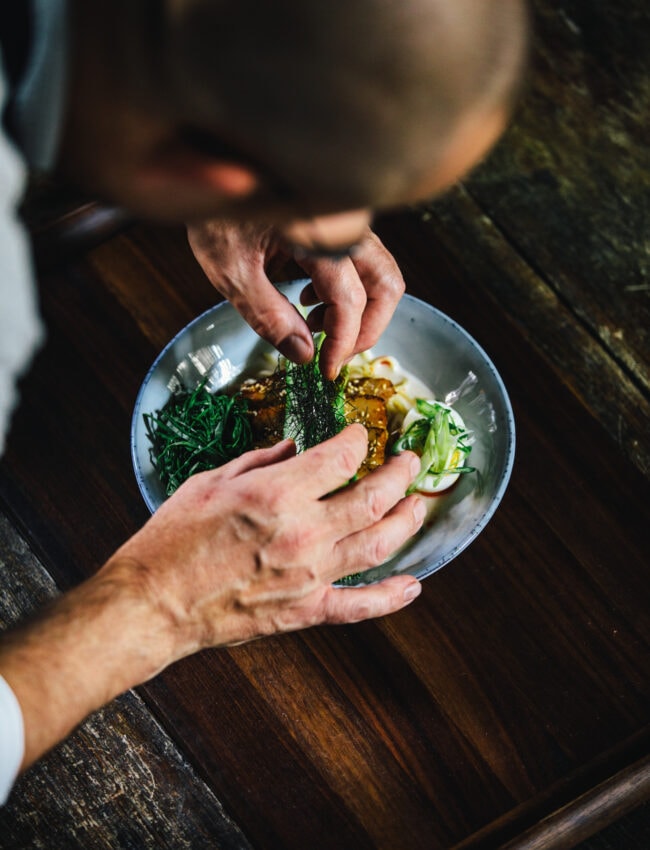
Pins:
x: 510, y: 705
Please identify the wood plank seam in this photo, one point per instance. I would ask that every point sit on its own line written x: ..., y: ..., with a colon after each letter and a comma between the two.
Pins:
x: 581, y: 362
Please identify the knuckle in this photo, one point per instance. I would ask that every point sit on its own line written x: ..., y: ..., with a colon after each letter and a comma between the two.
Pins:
x: 356, y: 298
x: 350, y: 458
x: 272, y: 323
x: 380, y: 548
x: 275, y: 499
x: 374, y: 503
x: 363, y: 610
x: 366, y: 612
x: 394, y: 285
x: 246, y: 496
x: 399, y: 284
x: 306, y: 616
x: 289, y: 544
x: 260, y: 507
x: 401, y: 467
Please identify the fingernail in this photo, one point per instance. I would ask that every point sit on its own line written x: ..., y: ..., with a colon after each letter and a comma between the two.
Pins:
x: 415, y: 465
x: 412, y: 591
x: 296, y: 348
x: 330, y: 373
x: 419, y: 510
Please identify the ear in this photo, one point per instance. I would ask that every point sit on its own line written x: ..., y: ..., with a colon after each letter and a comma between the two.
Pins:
x: 185, y: 168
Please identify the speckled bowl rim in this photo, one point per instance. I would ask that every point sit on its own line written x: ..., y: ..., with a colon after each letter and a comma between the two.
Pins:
x: 425, y: 569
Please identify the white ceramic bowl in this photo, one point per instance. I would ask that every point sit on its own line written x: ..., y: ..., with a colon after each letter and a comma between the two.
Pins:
x: 220, y: 345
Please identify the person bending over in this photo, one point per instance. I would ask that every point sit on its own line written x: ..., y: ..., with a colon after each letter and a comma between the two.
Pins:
x: 267, y: 128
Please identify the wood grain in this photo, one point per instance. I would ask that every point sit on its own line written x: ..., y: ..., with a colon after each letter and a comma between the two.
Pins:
x: 584, y: 816
x: 118, y: 780
x: 565, y: 201
x: 524, y: 661
x: 516, y: 690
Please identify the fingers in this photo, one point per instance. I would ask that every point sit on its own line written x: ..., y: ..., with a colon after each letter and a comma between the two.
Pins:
x: 384, y: 287
x: 274, y: 318
x: 366, y: 501
x: 373, y: 545
x: 357, y: 526
x: 351, y: 605
x: 331, y: 605
x: 365, y: 521
x: 355, y: 297
x: 321, y: 469
x: 337, y: 285
x: 259, y: 458
x: 234, y: 257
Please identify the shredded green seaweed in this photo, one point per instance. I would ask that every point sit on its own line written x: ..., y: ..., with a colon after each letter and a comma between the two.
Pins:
x: 314, y: 406
x: 196, y: 431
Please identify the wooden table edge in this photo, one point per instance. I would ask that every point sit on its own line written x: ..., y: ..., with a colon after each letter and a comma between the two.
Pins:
x: 571, y: 822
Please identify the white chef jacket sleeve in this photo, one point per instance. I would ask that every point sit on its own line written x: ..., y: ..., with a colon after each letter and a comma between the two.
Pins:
x: 12, y: 739
x: 20, y: 325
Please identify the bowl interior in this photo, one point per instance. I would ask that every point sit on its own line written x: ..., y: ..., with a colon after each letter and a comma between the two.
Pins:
x: 220, y: 346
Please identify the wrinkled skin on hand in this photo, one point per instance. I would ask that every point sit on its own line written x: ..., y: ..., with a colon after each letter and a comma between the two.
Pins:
x: 252, y: 548
x: 355, y: 296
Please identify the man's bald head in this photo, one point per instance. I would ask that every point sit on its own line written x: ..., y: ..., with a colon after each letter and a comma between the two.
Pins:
x: 337, y: 106
x: 349, y: 101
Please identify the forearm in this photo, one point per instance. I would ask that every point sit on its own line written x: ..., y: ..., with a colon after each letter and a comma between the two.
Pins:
x: 92, y: 644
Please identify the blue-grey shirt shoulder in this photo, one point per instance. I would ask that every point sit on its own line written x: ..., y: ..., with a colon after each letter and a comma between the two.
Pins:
x: 38, y: 100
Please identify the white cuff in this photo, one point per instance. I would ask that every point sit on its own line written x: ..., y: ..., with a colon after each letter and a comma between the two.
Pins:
x: 12, y: 739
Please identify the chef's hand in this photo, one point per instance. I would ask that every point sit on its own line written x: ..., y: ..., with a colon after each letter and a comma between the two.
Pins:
x: 353, y: 297
x: 252, y: 548
x: 243, y: 551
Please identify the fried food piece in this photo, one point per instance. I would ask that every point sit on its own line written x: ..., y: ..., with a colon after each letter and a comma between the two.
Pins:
x: 370, y: 411
x: 265, y: 399
x: 263, y: 391
x: 379, y: 387
x: 267, y: 424
x: 365, y: 402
